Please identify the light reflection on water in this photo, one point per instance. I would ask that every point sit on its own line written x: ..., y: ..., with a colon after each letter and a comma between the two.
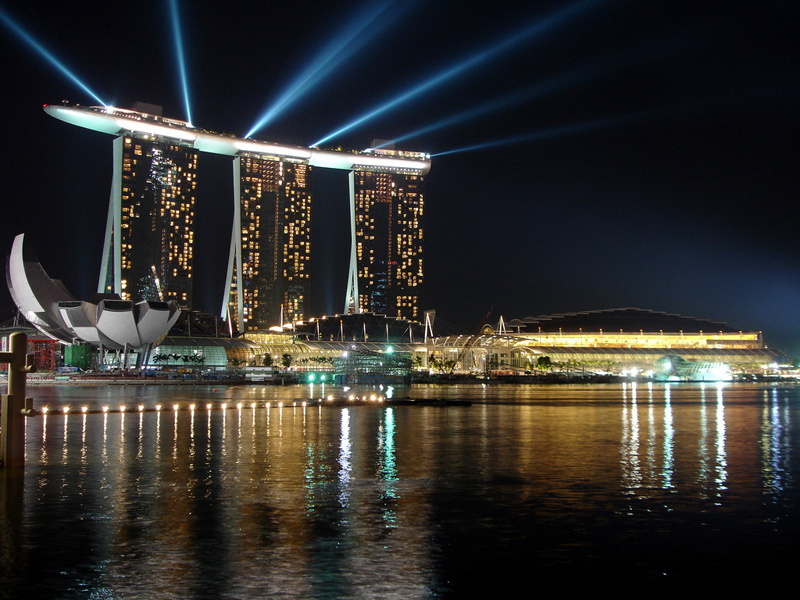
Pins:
x: 639, y: 482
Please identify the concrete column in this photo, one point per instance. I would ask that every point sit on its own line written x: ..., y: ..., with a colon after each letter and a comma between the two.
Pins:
x: 12, y: 419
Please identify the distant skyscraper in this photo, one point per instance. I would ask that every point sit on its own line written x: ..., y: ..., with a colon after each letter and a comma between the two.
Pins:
x: 149, y: 243
x: 388, y: 212
x: 271, y: 241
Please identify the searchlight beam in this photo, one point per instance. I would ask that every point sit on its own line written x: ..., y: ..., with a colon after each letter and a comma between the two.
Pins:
x: 46, y: 54
x: 540, y: 27
x: 179, y: 55
x: 358, y: 32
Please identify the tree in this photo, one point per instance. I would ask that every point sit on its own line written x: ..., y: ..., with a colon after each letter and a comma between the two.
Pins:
x: 286, y: 360
x: 267, y: 362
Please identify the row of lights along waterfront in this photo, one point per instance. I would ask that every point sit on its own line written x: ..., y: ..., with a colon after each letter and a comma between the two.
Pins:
x: 352, y: 398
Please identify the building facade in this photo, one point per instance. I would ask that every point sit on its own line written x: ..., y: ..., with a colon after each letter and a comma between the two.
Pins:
x: 149, y: 239
x: 271, y: 241
x: 388, y: 216
x: 157, y: 220
x: 610, y: 340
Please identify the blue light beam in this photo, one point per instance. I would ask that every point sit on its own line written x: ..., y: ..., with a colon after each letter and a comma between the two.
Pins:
x: 541, y: 89
x: 45, y: 53
x: 178, y: 38
x: 570, y: 129
x: 528, y: 137
x: 358, y: 32
x: 577, y: 76
x: 539, y: 28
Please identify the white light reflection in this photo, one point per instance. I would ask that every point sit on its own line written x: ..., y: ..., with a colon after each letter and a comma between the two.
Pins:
x: 44, y: 437
x: 345, y: 465
x: 175, y: 431
x: 224, y: 435
x: 83, y: 438
x: 121, y: 433
x: 64, y: 450
x: 388, y: 471
x: 704, y: 467
x: 253, y: 431
x: 721, y: 455
x: 651, y: 427
x: 158, y: 431
x: 139, y: 450
x: 629, y: 444
x: 775, y: 443
x: 104, y: 453
x: 208, y: 432
x: 192, y: 450
x: 668, y: 469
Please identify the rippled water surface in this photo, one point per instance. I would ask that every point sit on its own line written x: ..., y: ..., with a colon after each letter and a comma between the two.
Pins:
x: 588, y: 487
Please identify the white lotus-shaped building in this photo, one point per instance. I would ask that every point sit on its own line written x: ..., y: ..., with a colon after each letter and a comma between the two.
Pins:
x: 107, y: 322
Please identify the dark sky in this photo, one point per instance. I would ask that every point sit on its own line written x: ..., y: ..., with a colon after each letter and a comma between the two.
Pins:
x: 664, y: 176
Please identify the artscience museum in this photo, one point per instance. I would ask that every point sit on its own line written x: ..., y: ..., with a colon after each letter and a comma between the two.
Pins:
x: 104, y: 321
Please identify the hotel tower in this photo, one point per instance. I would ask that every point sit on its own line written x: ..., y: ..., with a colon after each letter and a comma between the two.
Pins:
x: 388, y: 211
x: 270, y: 241
x: 149, y: 238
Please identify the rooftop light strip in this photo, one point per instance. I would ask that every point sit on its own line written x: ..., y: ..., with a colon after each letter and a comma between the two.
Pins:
x: 115, y: 121
x: 143, y: 127
x: 375, y: 161
x: 264, y: 148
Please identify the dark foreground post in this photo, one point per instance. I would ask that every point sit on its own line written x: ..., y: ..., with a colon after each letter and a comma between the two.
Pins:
x: 12, y: 419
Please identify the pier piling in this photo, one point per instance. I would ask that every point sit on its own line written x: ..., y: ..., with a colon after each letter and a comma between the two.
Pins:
x: 14, y: 404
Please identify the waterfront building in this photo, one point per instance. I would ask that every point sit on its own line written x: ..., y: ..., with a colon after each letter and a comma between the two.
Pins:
x: 317, y: 345
x: 209, y: 355
x: 612, y: 341
x: 44, y: 350
x: 388, y: 215
x: 271, y: 241
x: 629, y: 328
x: 360, y: 327
x: 104, y: 321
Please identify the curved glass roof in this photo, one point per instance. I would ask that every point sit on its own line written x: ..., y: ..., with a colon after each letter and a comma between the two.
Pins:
x: 618, y: 319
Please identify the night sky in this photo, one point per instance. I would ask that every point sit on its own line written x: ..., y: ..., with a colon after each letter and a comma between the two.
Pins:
x: 639, y: 154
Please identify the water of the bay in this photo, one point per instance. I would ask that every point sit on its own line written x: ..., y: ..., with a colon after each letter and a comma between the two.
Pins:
x: 634, y: 488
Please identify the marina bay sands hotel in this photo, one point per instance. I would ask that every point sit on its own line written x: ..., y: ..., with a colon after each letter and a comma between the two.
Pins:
x: 149, y: 236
